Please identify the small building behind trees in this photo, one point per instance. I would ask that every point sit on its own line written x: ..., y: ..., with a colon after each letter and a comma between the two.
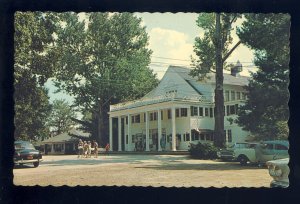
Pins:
x: 64, y: 143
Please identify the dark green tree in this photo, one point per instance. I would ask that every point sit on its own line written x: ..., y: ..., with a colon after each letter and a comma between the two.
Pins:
x: 60, y: 119
x: 212, y: 50
x: 104, y: 60
x: 32, y: 108
x: 266, y: 113
x: 32, y: 42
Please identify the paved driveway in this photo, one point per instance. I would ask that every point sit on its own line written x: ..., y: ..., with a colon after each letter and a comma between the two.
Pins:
x: 140, y: 170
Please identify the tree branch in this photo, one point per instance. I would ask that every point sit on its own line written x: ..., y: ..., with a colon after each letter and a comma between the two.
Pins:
x: 233, y: 19
x: 81, y: 93
x: 212, y: 71
x: 232, y: 49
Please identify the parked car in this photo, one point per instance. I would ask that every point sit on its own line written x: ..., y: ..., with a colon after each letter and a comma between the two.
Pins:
x: 279, y: 171
x: 263, y: 152
x: 26, y: 153
x: 228, y: 154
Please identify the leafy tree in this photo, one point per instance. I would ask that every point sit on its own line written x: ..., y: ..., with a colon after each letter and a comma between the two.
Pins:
x: 213, y: 50
x: 32, y: 40
x: 60, y: 119
x: 104, y: 60
x: 266, y: 112
x: 31, y: 108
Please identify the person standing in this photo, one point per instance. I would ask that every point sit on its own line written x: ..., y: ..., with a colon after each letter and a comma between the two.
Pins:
x: 95, y: 144
x: 107, y: 147
x: 80, y: 149
x: 89, y: 149
x: 85, y: 149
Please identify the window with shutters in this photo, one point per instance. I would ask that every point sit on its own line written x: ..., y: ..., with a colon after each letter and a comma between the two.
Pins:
x: 183, y: 112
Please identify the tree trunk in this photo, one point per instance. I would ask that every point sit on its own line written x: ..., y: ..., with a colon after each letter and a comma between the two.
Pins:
x: 219, y: 138
x: 100, y: 124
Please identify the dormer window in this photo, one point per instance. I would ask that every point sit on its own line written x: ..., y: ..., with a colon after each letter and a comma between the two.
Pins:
x: 172, y: 92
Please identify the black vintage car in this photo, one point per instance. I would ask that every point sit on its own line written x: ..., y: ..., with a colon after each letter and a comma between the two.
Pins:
x: 26, y: 153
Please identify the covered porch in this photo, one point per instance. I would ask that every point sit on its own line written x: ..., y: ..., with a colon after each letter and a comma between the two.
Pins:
x: 164, y: 126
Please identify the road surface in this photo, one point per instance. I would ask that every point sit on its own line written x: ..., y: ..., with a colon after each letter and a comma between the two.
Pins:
x: 140, y: 170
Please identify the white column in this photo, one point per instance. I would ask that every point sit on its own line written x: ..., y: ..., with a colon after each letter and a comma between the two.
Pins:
x: 119, y: 134
x: 110, y: 134
x: 159, y: 128
x: 129, y: 132
x: 147, y: 131
x: 173, y: 129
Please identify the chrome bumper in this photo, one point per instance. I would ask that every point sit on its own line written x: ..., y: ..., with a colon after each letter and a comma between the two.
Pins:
x: 27, y: 161
x: 279, y: 184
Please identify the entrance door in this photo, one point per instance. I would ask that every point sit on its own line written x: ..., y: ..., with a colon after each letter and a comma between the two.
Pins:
x: 153, y: 139
x: 46, y: 149
x: 139, y: 142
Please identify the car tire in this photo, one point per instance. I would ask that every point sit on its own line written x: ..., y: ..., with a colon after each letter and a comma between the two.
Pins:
x: 36, y: 164
x: 243, y: 160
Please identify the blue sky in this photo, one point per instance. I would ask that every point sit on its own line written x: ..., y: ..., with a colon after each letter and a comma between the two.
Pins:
x: 172, y: 36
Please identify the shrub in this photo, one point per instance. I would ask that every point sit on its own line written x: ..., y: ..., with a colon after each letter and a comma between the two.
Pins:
x: 203, y: 151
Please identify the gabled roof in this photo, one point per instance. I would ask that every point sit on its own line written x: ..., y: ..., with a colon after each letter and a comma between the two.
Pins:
x: 177, y: 84
x: 228, y: 78
x: 65, y: 137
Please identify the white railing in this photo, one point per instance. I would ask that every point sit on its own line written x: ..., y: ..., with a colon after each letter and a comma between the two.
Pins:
x: 158, y: 99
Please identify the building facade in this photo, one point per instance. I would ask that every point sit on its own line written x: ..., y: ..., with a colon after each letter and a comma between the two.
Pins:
x: 179, y: 111
x: 63, y: 143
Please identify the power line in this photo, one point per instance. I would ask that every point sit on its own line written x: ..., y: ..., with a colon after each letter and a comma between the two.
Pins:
x: 189, y: 66
x: 190, y: 60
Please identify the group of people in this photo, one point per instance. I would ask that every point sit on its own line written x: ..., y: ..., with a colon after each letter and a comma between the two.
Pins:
x: 87, y: 148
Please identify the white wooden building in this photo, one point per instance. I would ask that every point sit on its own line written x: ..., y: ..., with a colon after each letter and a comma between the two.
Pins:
x: 179, y: 111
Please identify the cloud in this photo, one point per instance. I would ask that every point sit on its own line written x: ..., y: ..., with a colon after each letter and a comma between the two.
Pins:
x: 170, y: 44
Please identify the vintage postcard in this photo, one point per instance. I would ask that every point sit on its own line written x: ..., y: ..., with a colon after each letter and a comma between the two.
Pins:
x: 151, y: 99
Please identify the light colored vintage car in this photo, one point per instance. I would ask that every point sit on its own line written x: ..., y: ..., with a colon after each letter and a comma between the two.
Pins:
x: 263, y: 152
x: 228, y: 153
x: 279, y: 171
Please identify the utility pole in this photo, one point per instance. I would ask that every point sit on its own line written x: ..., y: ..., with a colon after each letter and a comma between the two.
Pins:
x: 219, y: 97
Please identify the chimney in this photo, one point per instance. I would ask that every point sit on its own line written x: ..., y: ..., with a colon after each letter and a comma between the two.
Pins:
x: 237, y: 69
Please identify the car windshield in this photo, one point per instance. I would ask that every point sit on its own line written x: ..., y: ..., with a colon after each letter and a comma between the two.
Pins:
x: 242, y: 145
x: 231, y: 146
x: 24, y: 145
